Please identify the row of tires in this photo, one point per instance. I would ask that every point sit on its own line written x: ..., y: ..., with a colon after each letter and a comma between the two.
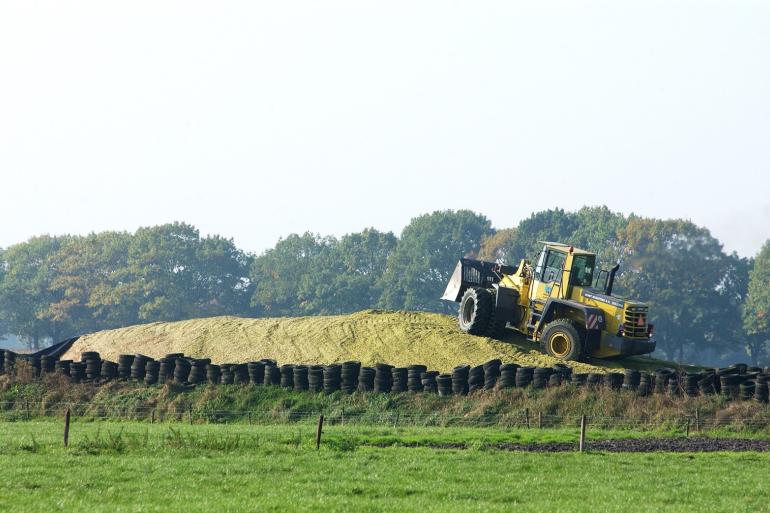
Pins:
x: 737, y: 381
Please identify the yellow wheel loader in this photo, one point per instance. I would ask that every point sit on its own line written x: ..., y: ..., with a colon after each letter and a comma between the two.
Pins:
x: 558, y: 303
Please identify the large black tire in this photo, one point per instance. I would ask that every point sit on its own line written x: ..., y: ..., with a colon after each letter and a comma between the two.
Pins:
x: 561, y: 340
x: 497, y: 325
x: 476, y: 309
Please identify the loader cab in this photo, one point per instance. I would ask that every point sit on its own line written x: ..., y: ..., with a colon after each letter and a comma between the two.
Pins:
x: 558, y: 269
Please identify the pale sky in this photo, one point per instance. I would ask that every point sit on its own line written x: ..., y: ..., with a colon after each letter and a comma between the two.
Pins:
x: 258, y: 119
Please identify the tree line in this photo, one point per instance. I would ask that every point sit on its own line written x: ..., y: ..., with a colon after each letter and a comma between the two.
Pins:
x: 707, y: 305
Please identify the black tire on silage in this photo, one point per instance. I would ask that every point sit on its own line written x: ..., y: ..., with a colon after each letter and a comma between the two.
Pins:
x: 460, y: 379
x: 508, y: 375
x: 475, y: 378
x: 414, y: 377
x: 109, y: 371
x: 428, y: 381
x: 366, y: 379
x: 315, y: 378
x: 491, y: 373
x: 151, y: 372
x: 213, y: 374
x: 300, y: 378
x: 227, y: 376
x: 77, y: 372
x: 383, y: 377
x: 332, y: 378
x: 182, y: 369
x: 349, y: 376
x: 287, y: 376
x: 475, y: 311
x: 400, y: 376
x: 524, y: 376
x: 256, y: 372
x: 444, y: 385
x: 198, y: 371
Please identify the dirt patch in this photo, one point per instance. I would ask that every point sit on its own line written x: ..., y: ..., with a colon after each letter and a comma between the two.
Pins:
x: 625, y: 445
x: 371, y: 336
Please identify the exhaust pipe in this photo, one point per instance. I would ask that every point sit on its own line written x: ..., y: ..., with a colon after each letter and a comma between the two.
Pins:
x: 611, y: 279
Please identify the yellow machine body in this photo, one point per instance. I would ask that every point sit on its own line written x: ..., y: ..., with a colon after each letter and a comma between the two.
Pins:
x: 561, y: 289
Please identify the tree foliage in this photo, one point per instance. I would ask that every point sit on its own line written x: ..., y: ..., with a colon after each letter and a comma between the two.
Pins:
x: 705, y: 303
x: 54, y: 287
x: 26, y: 292
x: 680, y: 270
x: 418, y: 270
x: 756, y: 310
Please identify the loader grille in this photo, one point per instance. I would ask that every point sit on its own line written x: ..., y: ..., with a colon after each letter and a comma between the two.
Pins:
x: 635, y: 322
x: 471, y: 275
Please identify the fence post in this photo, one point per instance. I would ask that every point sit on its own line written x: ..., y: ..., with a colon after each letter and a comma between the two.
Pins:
x: 697, y: 421
x: 152, y: 416
x: 189, y: 412
x: 342, y: 422
x: 26, y: 406
x: 395, y: 421
x: 318, y: 432
x: 539, y: 420
x: 249, y: 418
x: 582, y: 442
x: 526, y: 417
x: 67, y: 427
x: 687, y: 428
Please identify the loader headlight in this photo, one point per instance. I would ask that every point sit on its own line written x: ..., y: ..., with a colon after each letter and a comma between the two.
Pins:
x: 618, y: 316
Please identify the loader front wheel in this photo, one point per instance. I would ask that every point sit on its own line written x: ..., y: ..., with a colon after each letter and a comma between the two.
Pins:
x: 475, y: 311
x: 561, y: 340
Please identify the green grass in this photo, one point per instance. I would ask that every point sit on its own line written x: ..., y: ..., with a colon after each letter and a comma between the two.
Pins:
x: 130, y: 466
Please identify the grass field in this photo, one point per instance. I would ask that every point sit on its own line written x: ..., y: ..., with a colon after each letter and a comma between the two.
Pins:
x: 371, y: 336
x: 142, y: 467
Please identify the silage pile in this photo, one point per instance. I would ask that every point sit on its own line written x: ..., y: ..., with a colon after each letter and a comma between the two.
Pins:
x: 371, y: 336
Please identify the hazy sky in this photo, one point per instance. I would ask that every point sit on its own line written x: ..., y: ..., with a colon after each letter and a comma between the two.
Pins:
x: 258, y: 119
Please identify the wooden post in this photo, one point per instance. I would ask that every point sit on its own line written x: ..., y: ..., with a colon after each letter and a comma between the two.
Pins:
x: 526, y: 416
x: 697, y: 421
x: 249, y: 418
x: 67, y: 427
x: 26, y: 406
x: 395, y: 421
x: 539, y: 420
x: 152, y: 417
x: 687, y: 427
x: 318, y: 432
x: 189, y: 412
x: 582, y: 443
x: 342, y: 421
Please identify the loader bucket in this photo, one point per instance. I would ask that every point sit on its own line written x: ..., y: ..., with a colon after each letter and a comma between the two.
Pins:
x: 455, y: 285
x: 473, y: 273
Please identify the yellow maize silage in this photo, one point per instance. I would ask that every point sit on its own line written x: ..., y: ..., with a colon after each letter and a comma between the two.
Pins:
x: 371, y: 336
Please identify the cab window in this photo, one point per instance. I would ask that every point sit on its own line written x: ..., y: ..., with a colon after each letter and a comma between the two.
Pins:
x: 540, y: 264
x: 554, y: 264
x: 583, y: 270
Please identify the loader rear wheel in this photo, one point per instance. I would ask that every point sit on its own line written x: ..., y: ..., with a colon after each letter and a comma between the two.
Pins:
x: 561, y: 340
x: 475, y: 311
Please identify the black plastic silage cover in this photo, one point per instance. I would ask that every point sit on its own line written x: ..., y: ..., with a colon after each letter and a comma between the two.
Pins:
x: 57, y: 349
